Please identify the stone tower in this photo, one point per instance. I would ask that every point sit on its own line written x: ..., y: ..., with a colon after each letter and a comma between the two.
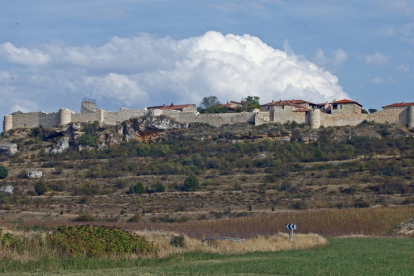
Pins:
x: 410, y: 123
x: 88, y: 106
x: 8, y: 122
x: 315, y: 118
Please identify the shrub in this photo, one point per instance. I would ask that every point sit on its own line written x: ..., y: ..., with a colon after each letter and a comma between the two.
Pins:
x: 190, y: 184
x: 360, y: 203
x: 3, y: 172
x: 178, y: 241
x: 85, y: 217
x: 158, y: 187
x: 134, y: 218
x: 88, y: 140
x: 40, y: 187
x: 137, y: 189
x: 98, y: 241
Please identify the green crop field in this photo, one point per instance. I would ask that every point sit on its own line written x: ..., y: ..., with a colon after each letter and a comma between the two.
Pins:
x: 343, y: 256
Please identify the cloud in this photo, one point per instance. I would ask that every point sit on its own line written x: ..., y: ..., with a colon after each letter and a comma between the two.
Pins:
x: 333, y: 64
x: 22, y: 55
x: 386, y: 31
x: 146, y: 70
x: 377, y: 80
x: 407, y: 32
x: 377, y: 59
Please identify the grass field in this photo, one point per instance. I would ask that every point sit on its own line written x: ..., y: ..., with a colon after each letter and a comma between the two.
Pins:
x: 343, y: 256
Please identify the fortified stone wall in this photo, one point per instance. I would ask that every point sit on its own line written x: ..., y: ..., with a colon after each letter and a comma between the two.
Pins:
x: 214, y: 119
x: 314, y: 118
x: 49, y: 120
x: 27, y: 120
x: 112, y: 118
x: 86, y: 117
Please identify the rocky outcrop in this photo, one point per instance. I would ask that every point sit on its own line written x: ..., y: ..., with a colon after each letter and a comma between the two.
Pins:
x: 149, y: 128
x: 8, y: 149
x: 34, y: 174
x: 7, y: 189
x: 61, y: 146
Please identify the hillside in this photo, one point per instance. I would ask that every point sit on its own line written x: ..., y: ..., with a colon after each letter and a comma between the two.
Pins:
x: 242, y: 170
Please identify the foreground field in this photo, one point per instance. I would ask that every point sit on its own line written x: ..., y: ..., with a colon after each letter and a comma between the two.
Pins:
x: 343, y: 256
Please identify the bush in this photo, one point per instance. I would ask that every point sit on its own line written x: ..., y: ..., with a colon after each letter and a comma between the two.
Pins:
x: 3, y: 172
x: 137, y: 189
x: 158, y: 187
x: 190, y: 184
x: 178, y: 241
x: 360, y: 203
x: 88, y: 140
x: 40, y: 187
x: 85, y: 217
x: 98, y: 241
x: 134, y: 218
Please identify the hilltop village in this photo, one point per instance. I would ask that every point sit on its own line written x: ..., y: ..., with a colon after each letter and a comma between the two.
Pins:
x: 337, y: 113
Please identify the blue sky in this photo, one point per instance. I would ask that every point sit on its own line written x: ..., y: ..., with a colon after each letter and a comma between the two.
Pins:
x: 137, y: 53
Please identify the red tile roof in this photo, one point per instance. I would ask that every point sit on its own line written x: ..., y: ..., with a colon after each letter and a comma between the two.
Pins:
x: 399, y: 105
x: 345, y: 101
x: 301, y: 110
x: 172, y: 106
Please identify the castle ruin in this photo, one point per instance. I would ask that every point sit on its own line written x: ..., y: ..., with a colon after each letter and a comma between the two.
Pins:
x: 337, y: 113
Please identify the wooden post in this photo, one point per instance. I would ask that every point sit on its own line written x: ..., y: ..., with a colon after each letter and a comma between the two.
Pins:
x: 290, y: 234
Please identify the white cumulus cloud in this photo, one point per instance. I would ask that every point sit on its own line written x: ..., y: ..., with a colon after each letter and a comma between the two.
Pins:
x: 146, y: 70
x: 377, y: 80
x: 333, y: 64
x: 377, y: 59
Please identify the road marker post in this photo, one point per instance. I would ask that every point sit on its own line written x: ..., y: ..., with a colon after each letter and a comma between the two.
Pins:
x: 290, y: 227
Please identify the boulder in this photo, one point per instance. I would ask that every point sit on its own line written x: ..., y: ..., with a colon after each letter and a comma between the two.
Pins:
x: 7, y: 189
x: 8, y: 149
x: 34, y: 174
x: 61, y: 146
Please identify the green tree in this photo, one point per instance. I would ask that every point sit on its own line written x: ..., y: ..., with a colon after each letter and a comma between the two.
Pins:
x: 208, y: 102
x: 364, y: 111
x: 40, y: 187
x: 190, y: 183
x: 158, y: 187
x: 137, y: 189
x: 372, y: 110
x: 88, y: 140
x: 4, y: 172
x: 251, y: 103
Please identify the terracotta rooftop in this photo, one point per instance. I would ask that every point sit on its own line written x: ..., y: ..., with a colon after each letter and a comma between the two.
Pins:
x: 301, y: 110
x: 345, y: 101
x: 399, y: 105
x: 286, y: 102
x: 172, y: 106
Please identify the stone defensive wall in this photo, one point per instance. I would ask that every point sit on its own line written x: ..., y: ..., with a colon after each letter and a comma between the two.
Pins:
x: 66, y: 116
x: 213, y: 119
x: 314, y: 118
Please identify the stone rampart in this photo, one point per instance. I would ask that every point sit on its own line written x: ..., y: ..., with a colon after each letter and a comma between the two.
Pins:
x: 27, y: 120
x: 315, y: 118
x: 112, y: 118
x: 86, y: 117
x: 214, y: 119
x: 49, y: 120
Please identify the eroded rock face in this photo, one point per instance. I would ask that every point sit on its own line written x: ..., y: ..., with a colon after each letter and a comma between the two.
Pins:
x: 61, y: 146
x: 8, y: 149
x: 149, y: 127
x: 34, y: 174
x: 7, y: 189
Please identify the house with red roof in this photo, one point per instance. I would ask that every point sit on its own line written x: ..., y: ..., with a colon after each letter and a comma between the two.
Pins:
x: 397, y: 106
x: 346, y: 106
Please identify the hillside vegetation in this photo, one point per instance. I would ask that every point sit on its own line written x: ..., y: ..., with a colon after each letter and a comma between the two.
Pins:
x: 199, y: 172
